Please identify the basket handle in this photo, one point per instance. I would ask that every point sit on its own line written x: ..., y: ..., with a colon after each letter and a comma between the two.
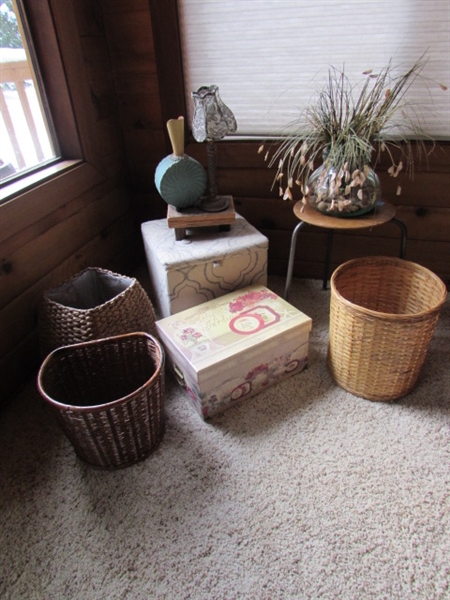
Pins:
x: 179, y: 376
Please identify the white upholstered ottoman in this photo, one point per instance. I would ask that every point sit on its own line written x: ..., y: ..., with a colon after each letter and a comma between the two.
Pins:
x: 210, y: 265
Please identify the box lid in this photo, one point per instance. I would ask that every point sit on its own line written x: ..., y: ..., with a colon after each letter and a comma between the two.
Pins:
x: 217, y: 330
x: 204, y: 246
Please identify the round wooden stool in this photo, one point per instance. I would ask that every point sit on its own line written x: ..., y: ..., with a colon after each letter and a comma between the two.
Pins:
x: 382, y: 213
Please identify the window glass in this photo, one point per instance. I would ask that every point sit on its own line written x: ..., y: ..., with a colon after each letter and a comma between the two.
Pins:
x: 26, y: 139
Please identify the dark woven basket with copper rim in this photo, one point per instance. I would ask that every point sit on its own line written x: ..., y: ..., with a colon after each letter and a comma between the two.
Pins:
x: 383, y: 313
x: 107, y: 395
x: 93, y: 304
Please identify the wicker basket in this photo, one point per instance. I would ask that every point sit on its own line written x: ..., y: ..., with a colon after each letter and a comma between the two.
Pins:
x: 107, y: 396
x: 383, y: 314
x: 93, y: 304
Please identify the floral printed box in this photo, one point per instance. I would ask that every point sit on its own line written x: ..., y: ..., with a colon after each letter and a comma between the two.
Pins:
x: 208, y: 265
x: 232, y: 347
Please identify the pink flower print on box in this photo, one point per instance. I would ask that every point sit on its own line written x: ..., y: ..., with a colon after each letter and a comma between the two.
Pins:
x: 255, y: 379
x: 260, y: 376
x: 261, y: 372
x: 189, y: 336
x: 253, y: 320
x: 212, y: 405
x: 250, y: 299
x: 241, y: 390
x: 194, y: 395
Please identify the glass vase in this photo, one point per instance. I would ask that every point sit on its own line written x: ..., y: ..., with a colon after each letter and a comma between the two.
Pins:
x: 341, y: 193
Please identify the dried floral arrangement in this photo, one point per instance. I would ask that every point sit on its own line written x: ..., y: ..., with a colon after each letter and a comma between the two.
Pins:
x: 346, y: 126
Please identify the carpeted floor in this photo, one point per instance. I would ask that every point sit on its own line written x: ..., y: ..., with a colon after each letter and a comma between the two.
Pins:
x: 304, y: 491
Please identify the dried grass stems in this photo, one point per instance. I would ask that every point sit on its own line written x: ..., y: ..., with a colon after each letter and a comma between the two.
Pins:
x: 347, y: 124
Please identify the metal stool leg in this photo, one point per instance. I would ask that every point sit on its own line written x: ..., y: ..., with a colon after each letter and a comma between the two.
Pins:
x: 291, y: 259
x: 326, y: 272
x: 404, y: 236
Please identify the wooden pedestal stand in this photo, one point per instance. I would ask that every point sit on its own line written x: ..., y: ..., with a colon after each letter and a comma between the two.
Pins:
x: 194, y: 217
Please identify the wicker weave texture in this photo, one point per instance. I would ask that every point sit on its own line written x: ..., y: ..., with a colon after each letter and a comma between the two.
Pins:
x: 95, y: 303
x: 383, y: 313
x: 107, y: 395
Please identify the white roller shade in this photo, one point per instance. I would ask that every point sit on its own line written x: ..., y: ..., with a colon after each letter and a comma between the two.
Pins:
x: 269, y: 57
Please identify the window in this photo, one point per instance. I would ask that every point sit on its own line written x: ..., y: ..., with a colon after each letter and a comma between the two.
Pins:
x: 268, y: 57
x: 26, y: 133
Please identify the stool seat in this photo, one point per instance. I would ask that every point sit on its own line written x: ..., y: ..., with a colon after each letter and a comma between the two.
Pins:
x: 383, y: 212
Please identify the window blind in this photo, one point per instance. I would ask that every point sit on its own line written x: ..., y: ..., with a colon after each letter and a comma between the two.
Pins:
x: 269, y: 58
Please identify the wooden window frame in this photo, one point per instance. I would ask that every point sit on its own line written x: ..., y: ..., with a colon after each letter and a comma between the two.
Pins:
x: 57, y: 48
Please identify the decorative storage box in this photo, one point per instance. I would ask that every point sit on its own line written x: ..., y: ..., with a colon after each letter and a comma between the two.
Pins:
x: 207, y: 267
x: 232, y: 347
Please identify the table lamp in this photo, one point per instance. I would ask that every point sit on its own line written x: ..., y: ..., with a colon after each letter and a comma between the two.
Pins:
x: 212, y: 121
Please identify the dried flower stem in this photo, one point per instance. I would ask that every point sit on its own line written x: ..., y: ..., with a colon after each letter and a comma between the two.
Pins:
x: 348, y: 122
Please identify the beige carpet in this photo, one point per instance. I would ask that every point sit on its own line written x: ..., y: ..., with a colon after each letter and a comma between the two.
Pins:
x: 303, y: 491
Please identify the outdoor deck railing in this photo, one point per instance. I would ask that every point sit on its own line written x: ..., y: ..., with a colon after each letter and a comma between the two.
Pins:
x: 15, y: 69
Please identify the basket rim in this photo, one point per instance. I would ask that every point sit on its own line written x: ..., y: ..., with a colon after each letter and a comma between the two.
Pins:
x: 105, y: 405
x: 393, y: 261
x: 48, y: 300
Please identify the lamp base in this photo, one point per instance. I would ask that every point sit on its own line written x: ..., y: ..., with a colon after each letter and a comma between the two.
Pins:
x: 215, y: 203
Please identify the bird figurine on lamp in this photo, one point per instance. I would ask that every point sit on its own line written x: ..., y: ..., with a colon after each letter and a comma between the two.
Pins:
x: 212, y: 121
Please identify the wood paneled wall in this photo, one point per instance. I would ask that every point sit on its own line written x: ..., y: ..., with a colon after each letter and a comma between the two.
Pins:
x: 82, y: 216
x: 423, y: 206
x: 121, y: 94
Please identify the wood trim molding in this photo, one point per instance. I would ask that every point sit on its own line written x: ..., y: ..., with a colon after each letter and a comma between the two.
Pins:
x: 52, y: 74
x: 61, y: 64
x: 168, y: 58
x: 64, y: 182
x: 62, y: 70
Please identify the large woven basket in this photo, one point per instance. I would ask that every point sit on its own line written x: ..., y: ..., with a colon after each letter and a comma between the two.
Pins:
x: 93, y: 304
x: 107, y: 395
x: 383, y: 313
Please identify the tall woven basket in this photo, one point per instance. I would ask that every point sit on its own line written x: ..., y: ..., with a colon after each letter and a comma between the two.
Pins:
x: 93, y: 304
x: 107, y: 395
x: 383, y: 313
